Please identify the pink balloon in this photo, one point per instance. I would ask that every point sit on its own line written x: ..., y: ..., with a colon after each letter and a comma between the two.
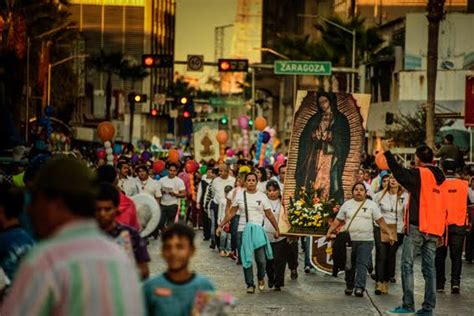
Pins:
x: 243, y: 121
x: 280, y: 158
x: 230, y: 152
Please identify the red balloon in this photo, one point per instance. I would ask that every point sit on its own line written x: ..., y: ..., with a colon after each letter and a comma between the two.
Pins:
x: 101, y: 154
x: 173, y: 156
x: 381, y: 161
x: 159, y: 166
x: 276, y: 167
x: 190, y: 166
x: 106, y: 131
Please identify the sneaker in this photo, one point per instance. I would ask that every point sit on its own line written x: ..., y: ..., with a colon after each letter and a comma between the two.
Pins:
x: 277, y: 289
x: 440, y: 289
x: 385, y: 287
x: 400, y: 310
x: 455, y: 289
x: 294, y: 274
x: 261, y: 285
x: 212, y: 245
x: 270, y: 284
x: 378, y: 288
x: 307, y: 269
x: 348, y: 291
x: 359, y: 292
x: 424, y: 312
x: 250, y: 289
x: 232, y: 255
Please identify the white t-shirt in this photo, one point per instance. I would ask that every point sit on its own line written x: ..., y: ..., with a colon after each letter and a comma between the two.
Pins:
x: 168, y: 185
x: 128, y: 186
x: 470, y: 193
x: 262, y: 186
x: 149, y: 186
x: 362, y: 227
x: 388, y: 205
x: 368, y: 187
x: 257, y: 203
x: 221, y: 211
x: 219, y: 184
x: 276, y: 208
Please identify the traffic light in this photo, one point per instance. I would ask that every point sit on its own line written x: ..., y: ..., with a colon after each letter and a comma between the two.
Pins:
x: 136, y: 97
x: 250, y: 122
x: 233, y: 65
x: 157, y: 61
x: 224, y: 120
x: 154, y: 110
x: 184, y: 100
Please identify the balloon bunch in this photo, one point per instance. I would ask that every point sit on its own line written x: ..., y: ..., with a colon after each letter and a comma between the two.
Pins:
x: 106, y: 132
x: 262, y: 140
x: 191, y: 167
x: 279, y: 161
x: 269, y: 147
x: 222, y: 137
x: 243, y: 121
x: 182, y: 210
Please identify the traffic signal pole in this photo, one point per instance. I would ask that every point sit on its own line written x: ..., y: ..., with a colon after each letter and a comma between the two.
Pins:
x: 132, y: 112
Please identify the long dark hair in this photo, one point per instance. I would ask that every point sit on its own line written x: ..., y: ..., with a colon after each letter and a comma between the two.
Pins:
x: 263, y: 171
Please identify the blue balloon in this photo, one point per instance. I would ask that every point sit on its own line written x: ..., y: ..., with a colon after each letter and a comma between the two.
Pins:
x: 49, y: 110
x: 117, y: 149
x: 164, y: 173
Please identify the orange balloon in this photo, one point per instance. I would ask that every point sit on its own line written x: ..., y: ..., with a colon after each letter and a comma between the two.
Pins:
x: 173, y: 156
x: 381, y: 161
x: 260, y: 123
x: 106, y: 131
x: 222, y: 137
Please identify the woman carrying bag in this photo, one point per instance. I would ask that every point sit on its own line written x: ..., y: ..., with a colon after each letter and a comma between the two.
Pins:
x: 391, y: 202
x: 254, y: 207
x: 358, y: 215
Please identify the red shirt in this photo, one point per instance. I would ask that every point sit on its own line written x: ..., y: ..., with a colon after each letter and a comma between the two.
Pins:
x: 127, y: 212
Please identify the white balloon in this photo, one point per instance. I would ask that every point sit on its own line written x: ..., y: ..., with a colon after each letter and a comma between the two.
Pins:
x: 107, y: 144
x: 109, y: 151
x: 110, y: 157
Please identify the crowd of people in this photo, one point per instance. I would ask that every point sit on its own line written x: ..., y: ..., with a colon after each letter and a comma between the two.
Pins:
x: 70, y: 235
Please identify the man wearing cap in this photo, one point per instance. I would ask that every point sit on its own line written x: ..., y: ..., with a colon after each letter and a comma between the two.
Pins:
x: 75, y: 269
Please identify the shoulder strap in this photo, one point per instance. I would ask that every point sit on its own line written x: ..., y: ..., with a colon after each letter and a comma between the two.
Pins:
x: 246, y: 208
x: 355, y: 214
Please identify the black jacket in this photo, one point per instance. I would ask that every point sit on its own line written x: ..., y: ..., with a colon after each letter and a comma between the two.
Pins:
x: 410, y: 179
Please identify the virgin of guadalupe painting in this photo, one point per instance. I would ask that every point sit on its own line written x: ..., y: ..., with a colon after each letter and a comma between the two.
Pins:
x: 325, y: 146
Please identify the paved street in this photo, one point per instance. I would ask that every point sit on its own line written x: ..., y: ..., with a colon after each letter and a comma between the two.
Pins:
x: 314, y: 294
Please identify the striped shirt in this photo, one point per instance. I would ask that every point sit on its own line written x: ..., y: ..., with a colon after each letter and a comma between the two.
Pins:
x: 77, y: 271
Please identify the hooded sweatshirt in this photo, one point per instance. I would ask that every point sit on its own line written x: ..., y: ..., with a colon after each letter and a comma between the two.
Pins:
x: 410, y: 179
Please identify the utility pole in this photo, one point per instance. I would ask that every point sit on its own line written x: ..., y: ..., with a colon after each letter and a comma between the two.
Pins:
x: 435, y: 14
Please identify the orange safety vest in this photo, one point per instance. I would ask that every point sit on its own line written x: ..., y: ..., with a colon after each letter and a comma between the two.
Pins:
x: 432, y: 209
x: 455, y: 197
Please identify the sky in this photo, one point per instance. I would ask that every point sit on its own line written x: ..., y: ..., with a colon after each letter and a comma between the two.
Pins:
x: 195, y: 24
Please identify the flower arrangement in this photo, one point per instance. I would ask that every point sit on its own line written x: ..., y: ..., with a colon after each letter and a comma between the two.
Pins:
x: 311, y: 213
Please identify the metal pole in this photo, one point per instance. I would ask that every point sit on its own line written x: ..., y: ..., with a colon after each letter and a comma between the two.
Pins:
x: 353, y: 60
x: 132, y: 111
x: 253, y: 97
x: 49, y: 85
x: 27, y: 112
x: 294, y: 89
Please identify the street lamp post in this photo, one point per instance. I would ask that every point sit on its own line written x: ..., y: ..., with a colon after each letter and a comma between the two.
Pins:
x: 50, y: 66
x: 352, y: 32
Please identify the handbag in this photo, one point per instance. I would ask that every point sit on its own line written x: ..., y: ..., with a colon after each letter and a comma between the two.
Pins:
x: 342, y: 247
x: 392, y: 228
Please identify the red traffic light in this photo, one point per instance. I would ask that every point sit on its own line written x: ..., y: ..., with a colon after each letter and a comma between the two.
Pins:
x: 148, y: 61
x: 186, y: 114
x: 157, y: 61
x: 233, y: 65
x: 154, y: 112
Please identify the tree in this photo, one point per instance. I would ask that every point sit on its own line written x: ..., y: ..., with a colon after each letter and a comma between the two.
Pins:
x: 409, y: 130
x: 108, y: 64
x: 435, y: 14
x: 132, y: 73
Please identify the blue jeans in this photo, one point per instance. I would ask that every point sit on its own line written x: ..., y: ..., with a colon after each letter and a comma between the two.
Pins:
x: 413, y: 244
x: 234, y: 234
x: 224, y: 241
x: 307, y: 245
x: 356, y: 277
x: 261, y: 261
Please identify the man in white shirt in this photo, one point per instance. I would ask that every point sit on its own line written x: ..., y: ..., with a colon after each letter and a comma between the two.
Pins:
x: 125, y: 183
x: 218, y: 187
x: 145, y: 184
x: 172, y: 188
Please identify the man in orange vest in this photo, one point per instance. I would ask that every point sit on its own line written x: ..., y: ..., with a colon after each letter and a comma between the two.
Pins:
x: 455, y: 192
x: 425, y: 221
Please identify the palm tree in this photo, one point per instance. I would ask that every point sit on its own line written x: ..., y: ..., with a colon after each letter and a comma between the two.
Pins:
x: 108, y: 64
x: 435, y: 10
x: 132, y: 73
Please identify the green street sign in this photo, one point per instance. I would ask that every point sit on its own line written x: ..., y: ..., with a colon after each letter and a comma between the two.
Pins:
x: 226, y: 102
x: 300, y: 67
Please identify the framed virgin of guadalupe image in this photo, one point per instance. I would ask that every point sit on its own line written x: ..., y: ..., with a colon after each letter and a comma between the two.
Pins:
x: 324, y: 156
